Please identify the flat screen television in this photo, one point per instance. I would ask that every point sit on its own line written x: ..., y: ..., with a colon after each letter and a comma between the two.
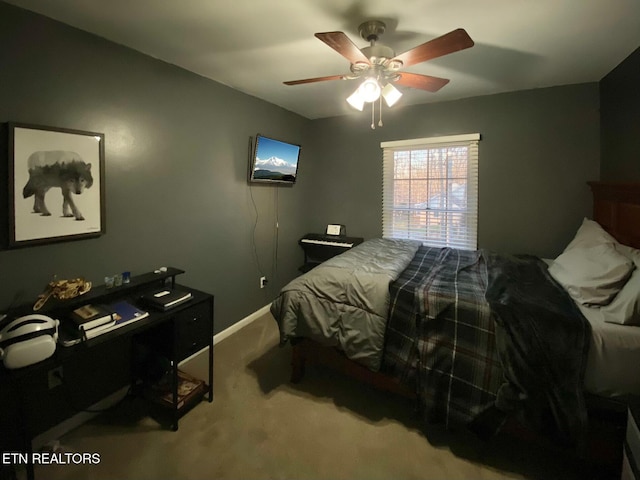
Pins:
x: 273, y: 161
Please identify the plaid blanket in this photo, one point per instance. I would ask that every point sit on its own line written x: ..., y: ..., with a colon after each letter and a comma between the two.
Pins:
x: 543, y: 341
x: 440, y: 334
x: 457, y: 316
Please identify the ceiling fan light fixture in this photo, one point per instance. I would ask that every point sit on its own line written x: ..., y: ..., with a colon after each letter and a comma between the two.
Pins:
x: 369, y: 90
x: 356, y: 100
x: 377, y: 65
x: 391, y: 94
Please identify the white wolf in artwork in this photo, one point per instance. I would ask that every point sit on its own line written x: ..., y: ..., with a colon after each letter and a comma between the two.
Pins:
x: 61, y: 169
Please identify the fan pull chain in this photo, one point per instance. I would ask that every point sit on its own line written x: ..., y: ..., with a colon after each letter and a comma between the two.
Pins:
x: 373, y: 110
x: 380, y: 113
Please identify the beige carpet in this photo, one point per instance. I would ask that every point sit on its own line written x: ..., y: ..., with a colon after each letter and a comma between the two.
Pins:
x: 260, y: 426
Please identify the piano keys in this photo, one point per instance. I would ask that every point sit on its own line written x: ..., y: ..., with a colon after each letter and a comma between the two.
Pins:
x: 327, y: 242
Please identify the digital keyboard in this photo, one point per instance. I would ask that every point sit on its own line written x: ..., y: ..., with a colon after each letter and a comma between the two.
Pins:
x: 319, y: 247
x: 327, y: 242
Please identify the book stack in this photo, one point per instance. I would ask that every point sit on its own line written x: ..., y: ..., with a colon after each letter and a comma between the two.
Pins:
x: 92, y: 320
x: 95, y: 320
x: 166, y: 299
x: 189, y: 390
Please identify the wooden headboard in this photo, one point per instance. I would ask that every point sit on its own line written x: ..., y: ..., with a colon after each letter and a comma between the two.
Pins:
x: 616, y: 206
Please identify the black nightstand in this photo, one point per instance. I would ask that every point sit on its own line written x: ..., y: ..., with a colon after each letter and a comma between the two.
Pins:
x: 320, y: 247
x: 631, y: 453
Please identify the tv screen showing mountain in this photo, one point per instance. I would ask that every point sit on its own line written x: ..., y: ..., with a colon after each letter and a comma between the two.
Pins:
x: 274, y: 161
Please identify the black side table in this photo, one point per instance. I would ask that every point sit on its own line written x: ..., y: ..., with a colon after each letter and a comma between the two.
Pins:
x: 631, y: 453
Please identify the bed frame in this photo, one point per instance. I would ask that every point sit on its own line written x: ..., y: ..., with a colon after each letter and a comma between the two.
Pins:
x: 616, y: 206
x: 308, y: 352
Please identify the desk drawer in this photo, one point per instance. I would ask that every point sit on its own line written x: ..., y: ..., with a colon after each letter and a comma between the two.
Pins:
x: 194, y: 329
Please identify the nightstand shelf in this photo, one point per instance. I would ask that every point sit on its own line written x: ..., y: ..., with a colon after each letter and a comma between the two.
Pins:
x: 189, y: 331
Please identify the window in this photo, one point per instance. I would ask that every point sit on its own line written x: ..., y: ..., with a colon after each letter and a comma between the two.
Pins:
x: 430, y: 190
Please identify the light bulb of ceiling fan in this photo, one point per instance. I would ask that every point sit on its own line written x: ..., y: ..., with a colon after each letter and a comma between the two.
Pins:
x: 391, y: 94
x: 370, y: 90
x: 356, y: 100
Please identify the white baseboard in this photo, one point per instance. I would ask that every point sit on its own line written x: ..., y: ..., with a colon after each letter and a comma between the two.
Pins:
x: 79, y: 418
x: 227, y: 332
x: 241, y: 324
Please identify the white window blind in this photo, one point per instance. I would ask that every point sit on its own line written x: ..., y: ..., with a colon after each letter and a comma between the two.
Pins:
x: 430, y: 190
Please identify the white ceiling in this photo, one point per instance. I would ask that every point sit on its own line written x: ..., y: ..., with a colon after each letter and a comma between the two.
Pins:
x: 255, y: 45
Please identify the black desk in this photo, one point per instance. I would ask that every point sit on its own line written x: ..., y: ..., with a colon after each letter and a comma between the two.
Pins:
x: 96, y: 368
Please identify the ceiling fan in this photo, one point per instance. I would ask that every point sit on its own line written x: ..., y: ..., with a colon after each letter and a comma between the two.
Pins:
x: 380, y: 67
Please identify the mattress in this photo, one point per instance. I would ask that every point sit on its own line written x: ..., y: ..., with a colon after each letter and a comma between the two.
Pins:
x: 614, y: 354
x: 344, y: 301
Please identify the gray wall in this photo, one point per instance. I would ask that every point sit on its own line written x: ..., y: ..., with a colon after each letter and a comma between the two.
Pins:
x: 176, y: 167
x: 176, y: 161
x: 538, y: 150
x: 620, y: 119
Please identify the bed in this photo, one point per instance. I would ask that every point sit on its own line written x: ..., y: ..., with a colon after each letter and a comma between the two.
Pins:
x: 477, y: 337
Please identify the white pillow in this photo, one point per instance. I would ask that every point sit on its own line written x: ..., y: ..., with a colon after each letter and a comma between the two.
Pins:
x: 625, y: 307
x: 590, y: 234
x: 592, y: 275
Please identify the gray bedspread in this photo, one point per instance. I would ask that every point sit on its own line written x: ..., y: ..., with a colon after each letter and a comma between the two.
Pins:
x: 344, y: 302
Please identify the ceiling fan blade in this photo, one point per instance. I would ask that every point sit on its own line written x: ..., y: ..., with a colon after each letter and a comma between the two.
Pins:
x: 423, y: 82
x: 312, y: 80
x: 343, y: 45
x: 444, y: 45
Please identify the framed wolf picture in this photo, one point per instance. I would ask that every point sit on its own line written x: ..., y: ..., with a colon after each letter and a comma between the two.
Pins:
x: 56, y: 184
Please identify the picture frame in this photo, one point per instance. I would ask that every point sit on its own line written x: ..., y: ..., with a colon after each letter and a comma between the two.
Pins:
x: 56, y: 185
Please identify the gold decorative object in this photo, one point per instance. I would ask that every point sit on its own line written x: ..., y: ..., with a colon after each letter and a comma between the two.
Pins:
x: 63, y: 290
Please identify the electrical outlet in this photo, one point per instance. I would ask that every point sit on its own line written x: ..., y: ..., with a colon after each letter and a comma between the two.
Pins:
x: 263, y: 282
x: 55, y: 377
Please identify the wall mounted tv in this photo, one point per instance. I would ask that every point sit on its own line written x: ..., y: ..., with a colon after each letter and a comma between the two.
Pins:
x: 273, y: 161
